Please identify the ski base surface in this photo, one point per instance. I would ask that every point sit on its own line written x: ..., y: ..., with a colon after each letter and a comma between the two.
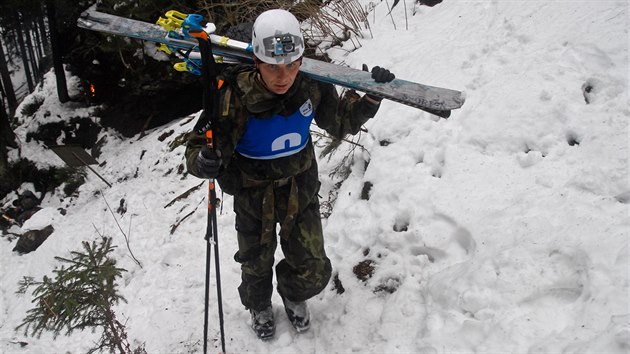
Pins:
x: 435, y: 100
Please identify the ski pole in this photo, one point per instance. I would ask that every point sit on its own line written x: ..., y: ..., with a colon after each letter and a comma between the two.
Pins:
x: 192, y: 26
x: 212, y: 240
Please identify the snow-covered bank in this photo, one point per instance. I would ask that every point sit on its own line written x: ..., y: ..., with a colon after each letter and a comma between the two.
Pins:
x: 500, y: 229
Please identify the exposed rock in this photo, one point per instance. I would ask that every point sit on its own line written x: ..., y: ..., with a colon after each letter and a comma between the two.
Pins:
x: 31, y: 240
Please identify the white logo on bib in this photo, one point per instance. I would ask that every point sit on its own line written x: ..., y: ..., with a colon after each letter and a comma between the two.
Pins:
x: 307, y: 108
x: 286, y: 141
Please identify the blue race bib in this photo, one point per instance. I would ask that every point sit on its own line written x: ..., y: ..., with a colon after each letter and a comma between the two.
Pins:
x: 278, y: 136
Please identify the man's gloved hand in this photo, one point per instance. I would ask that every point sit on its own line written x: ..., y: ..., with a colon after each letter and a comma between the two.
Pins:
x: 380, y: 75
x: 209, y: 163
x: 430, y: 3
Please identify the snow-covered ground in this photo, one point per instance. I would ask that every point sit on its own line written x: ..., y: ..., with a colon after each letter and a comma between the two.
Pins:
x: 502, y: 229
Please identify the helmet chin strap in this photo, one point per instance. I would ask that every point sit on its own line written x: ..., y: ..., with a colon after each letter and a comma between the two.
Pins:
x: 260, y: 77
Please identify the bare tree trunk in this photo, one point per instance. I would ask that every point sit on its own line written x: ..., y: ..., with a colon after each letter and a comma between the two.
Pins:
x: 25, y: 61
x: 38, y: 42
x: 31, y: 53
x: 6, y: 81
x: 42, y: 31
x: 41, y: 26
x: 12, y: 42
x: 7, y: 139
x: 60, y: 75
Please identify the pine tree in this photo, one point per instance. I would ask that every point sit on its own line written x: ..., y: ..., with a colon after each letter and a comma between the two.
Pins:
x: 81, y: 296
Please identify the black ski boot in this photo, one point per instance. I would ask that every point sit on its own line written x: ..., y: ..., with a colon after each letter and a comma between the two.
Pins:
x: 298, y: 314
x: 263, y: 323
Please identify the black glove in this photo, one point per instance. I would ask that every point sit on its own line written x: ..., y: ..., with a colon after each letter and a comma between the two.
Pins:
x: 430, y: 3
x: 380, y: 75
x: 209, y: 163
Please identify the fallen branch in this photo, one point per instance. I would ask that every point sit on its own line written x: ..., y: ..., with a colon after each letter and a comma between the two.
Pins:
x: 184, y: 195
x: 176, y: 225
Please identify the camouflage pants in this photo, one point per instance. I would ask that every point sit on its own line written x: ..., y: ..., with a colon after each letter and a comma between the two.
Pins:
x: 305, y: 270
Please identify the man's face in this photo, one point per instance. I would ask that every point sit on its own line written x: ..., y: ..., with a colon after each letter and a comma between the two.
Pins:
x: 278, y: 78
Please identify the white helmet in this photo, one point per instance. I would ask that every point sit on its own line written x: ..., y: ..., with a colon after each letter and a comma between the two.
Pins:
x: 277, y: 38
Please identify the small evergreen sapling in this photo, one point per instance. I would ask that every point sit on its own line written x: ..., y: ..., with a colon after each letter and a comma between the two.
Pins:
x: 81, y: 295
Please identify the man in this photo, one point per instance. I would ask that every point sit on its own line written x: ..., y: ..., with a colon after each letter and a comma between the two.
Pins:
x: 264, y: 157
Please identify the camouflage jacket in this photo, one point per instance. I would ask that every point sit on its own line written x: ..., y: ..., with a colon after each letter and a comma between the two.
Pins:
x: 275, y: 189
x: 244, y: 96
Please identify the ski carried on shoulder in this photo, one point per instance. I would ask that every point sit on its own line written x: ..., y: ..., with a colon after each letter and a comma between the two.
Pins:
x: 171, y: 34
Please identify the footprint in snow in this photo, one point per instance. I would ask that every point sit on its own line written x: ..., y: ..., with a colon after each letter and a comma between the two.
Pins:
x: 460, y: 235
x: 439, y: 238
x: 567, y: 278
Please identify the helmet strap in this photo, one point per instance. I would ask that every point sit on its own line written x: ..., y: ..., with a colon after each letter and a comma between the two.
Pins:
x: 257, y: 63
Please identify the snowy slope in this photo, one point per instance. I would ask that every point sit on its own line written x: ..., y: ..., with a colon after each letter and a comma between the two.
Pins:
x: 502, y: 229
